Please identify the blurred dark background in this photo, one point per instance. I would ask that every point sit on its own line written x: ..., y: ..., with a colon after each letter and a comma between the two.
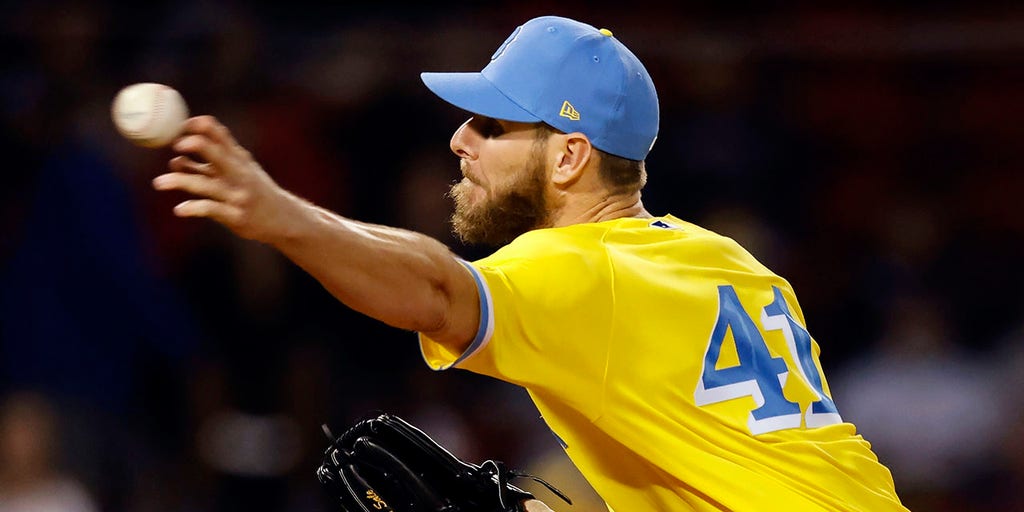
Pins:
x: 872, y: 155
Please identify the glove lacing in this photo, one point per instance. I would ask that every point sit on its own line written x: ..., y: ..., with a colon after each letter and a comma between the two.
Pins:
x: 501, y: 473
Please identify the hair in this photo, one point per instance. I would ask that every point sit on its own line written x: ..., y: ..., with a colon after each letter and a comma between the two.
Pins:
x: 622, y: 175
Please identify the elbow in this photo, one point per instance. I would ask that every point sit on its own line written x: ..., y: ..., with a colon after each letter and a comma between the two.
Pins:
x: 454, y: 320
x: 435, y: 319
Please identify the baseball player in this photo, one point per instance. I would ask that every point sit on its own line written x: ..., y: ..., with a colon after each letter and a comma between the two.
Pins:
x: 676, y: 370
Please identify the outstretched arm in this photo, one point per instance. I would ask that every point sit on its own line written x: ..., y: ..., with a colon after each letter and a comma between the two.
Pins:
x: 405, y: 279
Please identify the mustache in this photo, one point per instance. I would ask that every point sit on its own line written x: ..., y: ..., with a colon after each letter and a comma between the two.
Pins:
x: 464, y: 169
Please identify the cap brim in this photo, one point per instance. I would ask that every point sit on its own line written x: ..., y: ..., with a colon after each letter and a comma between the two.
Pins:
x: 474, y: 93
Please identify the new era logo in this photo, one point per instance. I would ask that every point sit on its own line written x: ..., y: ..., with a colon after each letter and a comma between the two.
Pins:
x: 569, y: 111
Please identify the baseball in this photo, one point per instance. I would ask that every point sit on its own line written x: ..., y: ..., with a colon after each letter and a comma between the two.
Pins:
x: 148, y: 114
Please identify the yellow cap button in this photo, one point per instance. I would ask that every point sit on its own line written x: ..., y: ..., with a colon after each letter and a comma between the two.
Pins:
x: 605, y: 32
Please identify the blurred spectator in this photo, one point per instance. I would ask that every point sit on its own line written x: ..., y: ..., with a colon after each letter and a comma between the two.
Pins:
x: 871, y: 154
x: 930, y: 409
x: 85, y: 317
x: 30, y: 480
x: 999, y: 486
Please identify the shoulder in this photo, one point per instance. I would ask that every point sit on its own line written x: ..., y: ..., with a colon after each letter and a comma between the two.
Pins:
x: 592, y: 246
x: 563, y: 260
x: 595, y: 235
x: 551, y: 245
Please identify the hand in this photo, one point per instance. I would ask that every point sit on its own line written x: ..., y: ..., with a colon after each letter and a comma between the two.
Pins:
x: 536, y: 506
x: 230, y: 187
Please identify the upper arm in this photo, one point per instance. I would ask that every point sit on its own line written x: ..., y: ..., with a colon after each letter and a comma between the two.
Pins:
x: 539, y: 302
x: 461, y: 317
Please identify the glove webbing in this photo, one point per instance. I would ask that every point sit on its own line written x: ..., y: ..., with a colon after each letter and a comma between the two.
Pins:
x: 366, y: 449
x: 501, y: 473
x: 381, y: 459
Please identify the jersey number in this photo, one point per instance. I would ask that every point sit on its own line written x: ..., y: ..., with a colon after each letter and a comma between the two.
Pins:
x: 759, y: 374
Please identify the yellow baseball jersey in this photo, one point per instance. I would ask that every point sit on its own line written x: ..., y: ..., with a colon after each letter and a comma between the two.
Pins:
x: 676, y: 370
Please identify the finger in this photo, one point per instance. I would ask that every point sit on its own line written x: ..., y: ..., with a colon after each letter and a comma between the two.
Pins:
x: 182, y: 163
x: 212, y: 128
x: 220, y: 212
x: 196, y: 184
x: 206, y: 148
x: 214, y: 144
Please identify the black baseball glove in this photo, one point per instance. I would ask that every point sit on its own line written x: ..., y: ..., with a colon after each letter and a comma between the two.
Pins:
x: 386, y: 464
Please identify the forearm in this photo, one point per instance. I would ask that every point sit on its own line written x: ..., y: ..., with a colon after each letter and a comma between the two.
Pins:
x: 404, y: 279
x: 400, y: 277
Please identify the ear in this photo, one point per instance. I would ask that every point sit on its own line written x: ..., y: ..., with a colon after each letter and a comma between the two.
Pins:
x: 572, y: 158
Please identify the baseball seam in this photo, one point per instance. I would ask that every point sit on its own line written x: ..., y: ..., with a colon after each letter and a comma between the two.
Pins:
x: 157, y: 111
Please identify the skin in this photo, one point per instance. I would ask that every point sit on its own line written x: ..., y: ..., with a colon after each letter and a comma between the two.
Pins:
x: 26, y: 439
x: 402, y: 278
x: 498, y: 214
x: 536, y: 506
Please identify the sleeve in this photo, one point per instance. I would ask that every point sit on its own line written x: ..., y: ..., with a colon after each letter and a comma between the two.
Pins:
x: 441, y: 357
x: 545, y: 299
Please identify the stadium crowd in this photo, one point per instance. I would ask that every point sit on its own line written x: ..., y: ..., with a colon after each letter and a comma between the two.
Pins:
x: 871, y: 155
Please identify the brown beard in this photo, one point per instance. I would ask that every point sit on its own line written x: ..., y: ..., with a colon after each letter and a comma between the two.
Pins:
x: 521, y: 207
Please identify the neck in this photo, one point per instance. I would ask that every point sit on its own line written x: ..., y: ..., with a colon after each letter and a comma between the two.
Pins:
x: 600, y: 208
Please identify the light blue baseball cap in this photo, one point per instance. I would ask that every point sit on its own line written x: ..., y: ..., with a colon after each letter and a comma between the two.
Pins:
x: 567, y: 74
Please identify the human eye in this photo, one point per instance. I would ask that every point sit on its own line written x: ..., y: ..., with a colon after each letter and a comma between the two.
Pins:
x: 490, y: 127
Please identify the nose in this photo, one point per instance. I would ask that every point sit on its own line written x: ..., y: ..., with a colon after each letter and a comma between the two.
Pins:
x: 462, y: 141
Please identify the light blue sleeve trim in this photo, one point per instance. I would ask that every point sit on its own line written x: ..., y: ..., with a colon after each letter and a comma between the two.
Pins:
x: 486, y: 328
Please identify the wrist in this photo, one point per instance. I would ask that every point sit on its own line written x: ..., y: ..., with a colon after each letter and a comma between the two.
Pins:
x: 296, y: 224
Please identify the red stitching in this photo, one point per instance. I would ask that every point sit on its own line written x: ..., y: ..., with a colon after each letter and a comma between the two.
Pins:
x: 157, y: 109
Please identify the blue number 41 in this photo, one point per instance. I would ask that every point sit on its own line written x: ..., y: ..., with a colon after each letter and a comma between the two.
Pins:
x: 759, y: 374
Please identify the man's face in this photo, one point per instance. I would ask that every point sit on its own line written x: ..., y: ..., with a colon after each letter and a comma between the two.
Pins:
x: 503, y: 192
